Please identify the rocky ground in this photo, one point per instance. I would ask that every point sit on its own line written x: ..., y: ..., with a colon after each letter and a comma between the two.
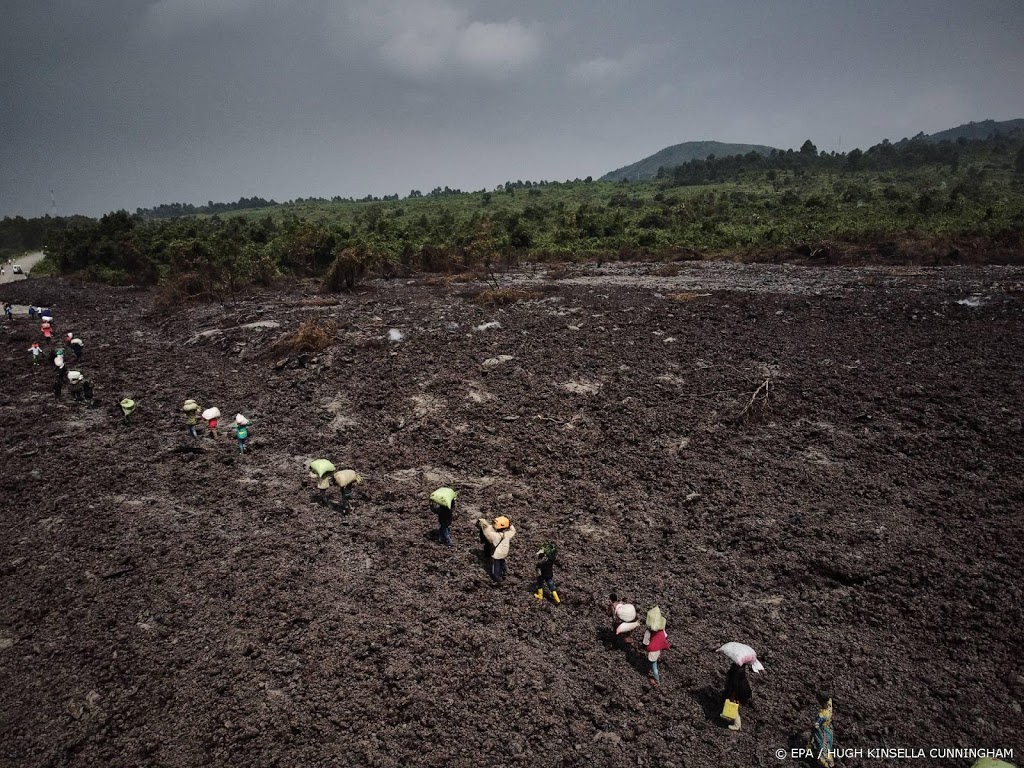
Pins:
x: 180, y: 605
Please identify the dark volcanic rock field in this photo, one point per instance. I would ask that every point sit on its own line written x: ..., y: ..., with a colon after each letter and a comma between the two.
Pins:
x: 168, y: 603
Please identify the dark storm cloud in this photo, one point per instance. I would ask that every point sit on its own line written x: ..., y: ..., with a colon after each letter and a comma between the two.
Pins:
x: 123, y: 104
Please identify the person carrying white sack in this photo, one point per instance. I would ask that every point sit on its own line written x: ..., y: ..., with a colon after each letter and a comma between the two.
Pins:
x: 623, y: 619
x: 241, y: 431
x: 737, y: 687
x: 210, y: 416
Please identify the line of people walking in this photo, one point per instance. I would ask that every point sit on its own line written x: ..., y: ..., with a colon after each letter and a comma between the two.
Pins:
x: 495, y: 537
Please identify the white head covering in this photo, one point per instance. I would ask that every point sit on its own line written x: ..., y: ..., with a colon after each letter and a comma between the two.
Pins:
x: 241, y: 420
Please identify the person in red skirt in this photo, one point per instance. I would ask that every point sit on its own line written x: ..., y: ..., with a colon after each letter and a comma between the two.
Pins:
x: 655, y: 641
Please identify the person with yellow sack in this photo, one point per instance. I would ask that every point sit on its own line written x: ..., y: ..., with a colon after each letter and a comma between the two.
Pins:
x: 324, y: 472
x: 496, y: 537
x: 655, y: 641
x: 347, y: 480
x: 442, y: 504
x: 737, y: 692
x: 737, y: 689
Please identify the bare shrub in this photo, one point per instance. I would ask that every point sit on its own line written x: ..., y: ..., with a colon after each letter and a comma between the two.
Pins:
x: 760, y: 402
x: 347, y: 269
x: 684, y: 296
x: 309, y: 338
x: 175, y: 293
x: 500, y: 297
x: 558, y: 272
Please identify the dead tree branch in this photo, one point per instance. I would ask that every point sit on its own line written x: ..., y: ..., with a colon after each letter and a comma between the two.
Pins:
x: 759, y: 401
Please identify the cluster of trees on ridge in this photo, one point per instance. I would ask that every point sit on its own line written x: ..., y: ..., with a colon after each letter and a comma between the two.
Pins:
x: 735, y: 204
x: 905, y: 155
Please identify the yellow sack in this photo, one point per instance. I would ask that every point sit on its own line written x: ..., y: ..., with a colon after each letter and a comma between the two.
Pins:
x: 731, y: 710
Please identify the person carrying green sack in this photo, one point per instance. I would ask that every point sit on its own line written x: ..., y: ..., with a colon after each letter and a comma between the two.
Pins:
x: 655, y: 641
x: 324, y: 471
x: 442, y: 504
x: 321, y: 470
x: 127, y: 408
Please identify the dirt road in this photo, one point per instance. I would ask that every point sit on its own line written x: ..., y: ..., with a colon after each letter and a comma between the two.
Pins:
x: 27, y: 261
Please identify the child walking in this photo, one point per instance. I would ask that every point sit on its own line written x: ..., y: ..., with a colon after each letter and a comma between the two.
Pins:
x: 210, y: 416
x: 241, y: 431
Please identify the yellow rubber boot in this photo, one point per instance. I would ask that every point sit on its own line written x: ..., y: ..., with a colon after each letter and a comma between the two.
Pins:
x: 554, y: 596
x: 539, y: 594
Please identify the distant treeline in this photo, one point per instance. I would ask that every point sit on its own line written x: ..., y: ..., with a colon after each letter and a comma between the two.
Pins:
x: 881, y: 201
x: 905, y: 155
x: 175, y: 210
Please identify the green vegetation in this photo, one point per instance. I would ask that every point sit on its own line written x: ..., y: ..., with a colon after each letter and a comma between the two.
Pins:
x: 45, y: 267
x: 914, y: 200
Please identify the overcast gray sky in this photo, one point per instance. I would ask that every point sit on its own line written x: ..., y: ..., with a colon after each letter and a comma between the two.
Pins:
x: 127, y: 103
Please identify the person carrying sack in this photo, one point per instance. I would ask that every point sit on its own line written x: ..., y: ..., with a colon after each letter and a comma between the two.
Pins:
x: 347, y: 480
x: 497, y: 537
x: 442, y: 504
x: 127, y: 409
x: 655, y: 641
x: 241, y: 431
x: 737, y: 692
x: 192, y: 409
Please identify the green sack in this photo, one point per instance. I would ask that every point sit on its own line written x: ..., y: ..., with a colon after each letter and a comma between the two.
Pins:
x: 444, y: 497
x: 322, y: 467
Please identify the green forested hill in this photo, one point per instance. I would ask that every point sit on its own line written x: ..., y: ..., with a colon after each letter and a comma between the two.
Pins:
x: 974, y: 131
x: 679, y: 154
